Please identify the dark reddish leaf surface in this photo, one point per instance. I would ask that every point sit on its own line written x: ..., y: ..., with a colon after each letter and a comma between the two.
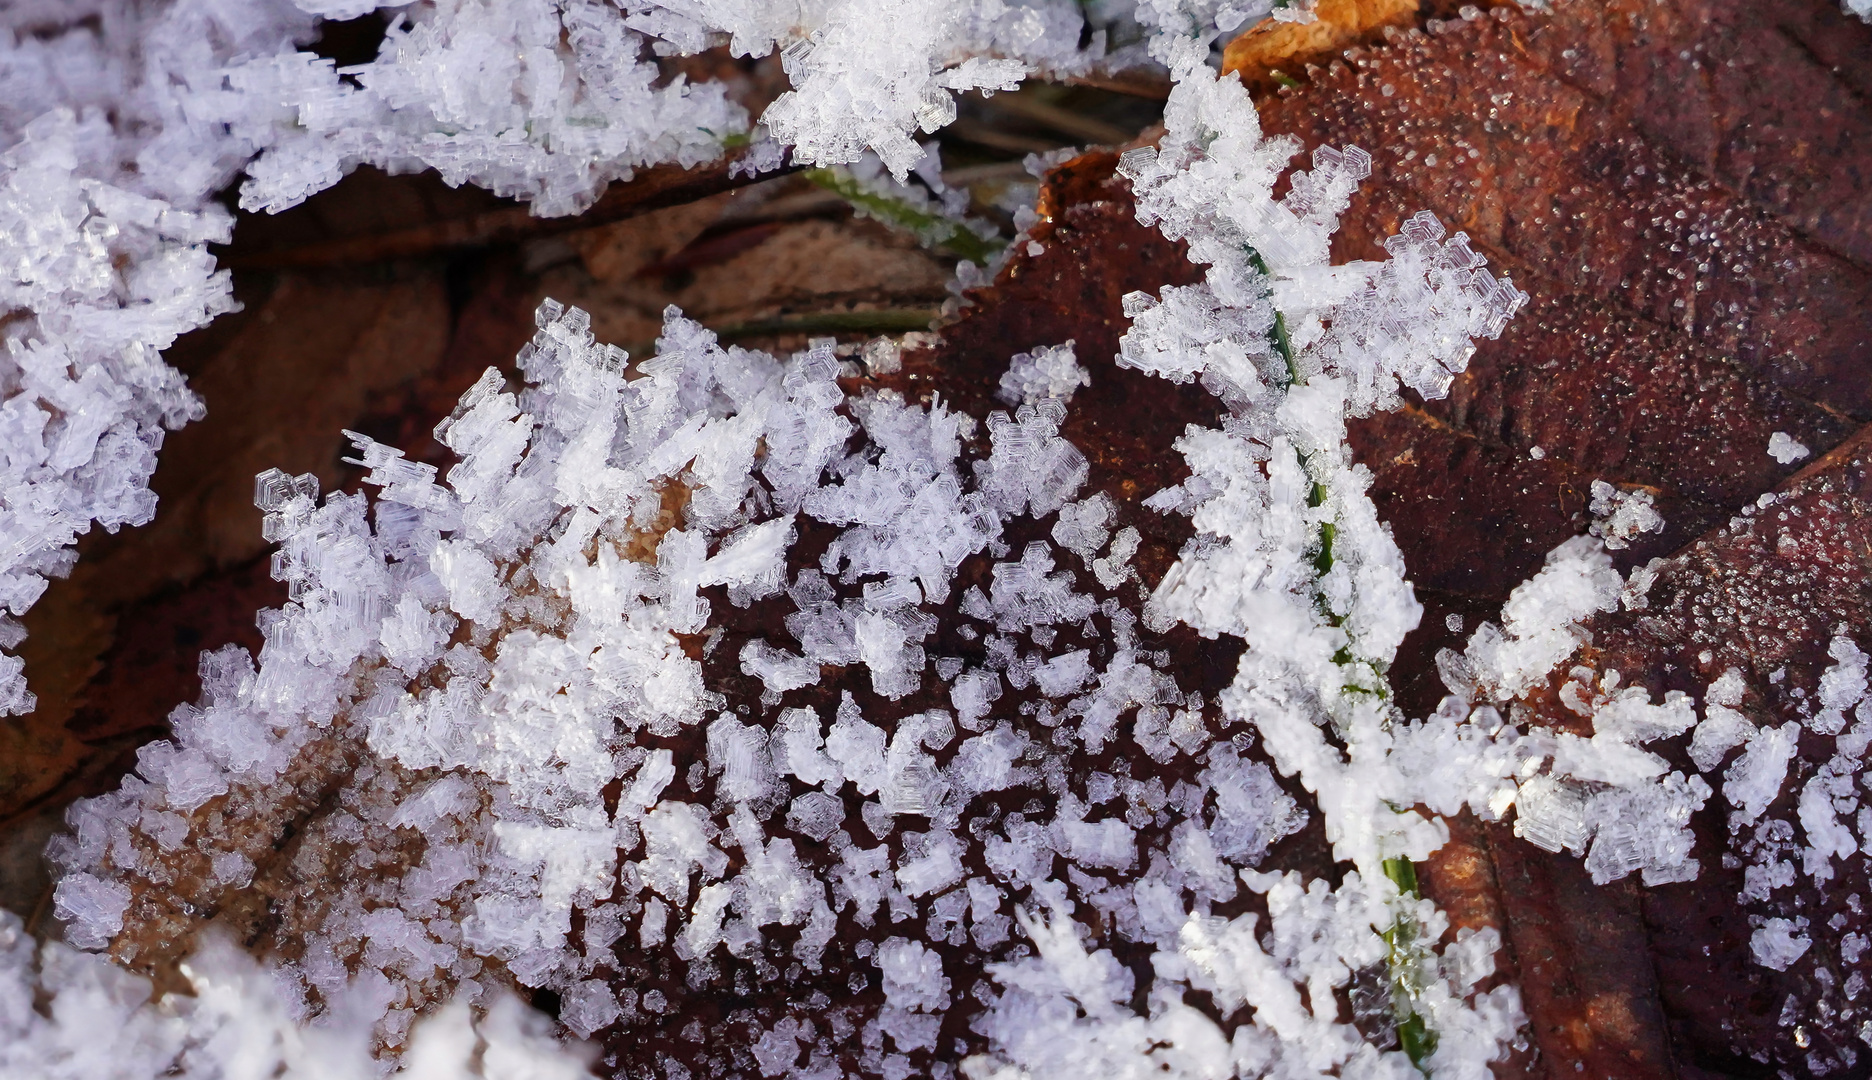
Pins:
x: 1764, y: 593
x: 1769, y: 97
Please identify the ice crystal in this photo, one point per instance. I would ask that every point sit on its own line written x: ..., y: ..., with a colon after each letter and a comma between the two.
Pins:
x: 1786, y: 449
x: 1618, y: 516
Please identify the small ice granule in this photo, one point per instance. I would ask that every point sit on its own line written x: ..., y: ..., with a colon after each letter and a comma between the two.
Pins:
x: 912, y: 975
x: 882, y: 356
x: 1084, y: 526
x: 1754, y: 779
x: 1779, y: 942
x: 1536, y: 453
x: 588, y: 1006
x: 1454, y: 622
x: 1841, y: 686
x: 1050, y: 372
x: 815, y: 814
x: 776, y: 1050
x: 93, y: 910
x: 1785, y: 449
x: 1620, y: 515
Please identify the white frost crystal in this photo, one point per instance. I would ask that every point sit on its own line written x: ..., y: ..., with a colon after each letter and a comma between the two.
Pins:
x: 1786, y: 449
x: 1539, y: 627
x: 1051, y: 372
x: 1780, y: 942
x: 1620, y: 515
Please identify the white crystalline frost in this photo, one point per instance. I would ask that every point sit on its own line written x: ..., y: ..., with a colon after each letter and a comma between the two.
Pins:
x: 493, y: 650
x: 1842, y: 685
x: 1779, y: 942
x: 528, y: 548
x: 1723, y: 727
x: 1318, y: 620
x: 1786, y: 449
x: 1618, y: 515
x: 1538, y: 627
x: 1051, y: 372
x: 1754, y: 780
x: 104, y: 1021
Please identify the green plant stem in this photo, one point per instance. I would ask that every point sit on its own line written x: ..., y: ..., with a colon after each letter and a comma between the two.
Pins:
x: 931, y: 228
x: 1414, y: 1036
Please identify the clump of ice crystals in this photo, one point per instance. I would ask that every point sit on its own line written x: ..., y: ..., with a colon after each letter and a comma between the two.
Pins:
x: 120, y: 121
x: 1605, y: 796
x: 1600, y: 795
x: 1052, y: 372
x: 479, y: 658
x: 496, y: 650
x: 1620, y: 515
x: 1785, y: 448
x: 482, y: 658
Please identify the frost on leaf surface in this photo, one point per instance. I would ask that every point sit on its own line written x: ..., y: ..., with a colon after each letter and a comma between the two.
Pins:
x: 905, y: 724
x: 890, y: 733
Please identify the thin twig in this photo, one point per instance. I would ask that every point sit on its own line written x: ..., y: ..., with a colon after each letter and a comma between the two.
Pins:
x: 1139, y: 84
x: 651, y: 189
x: 881, y: 321
x: 39, y: 910
x: 1086, y: 129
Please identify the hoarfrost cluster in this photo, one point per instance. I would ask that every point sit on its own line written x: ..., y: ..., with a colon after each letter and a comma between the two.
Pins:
x: 103, y: 1021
